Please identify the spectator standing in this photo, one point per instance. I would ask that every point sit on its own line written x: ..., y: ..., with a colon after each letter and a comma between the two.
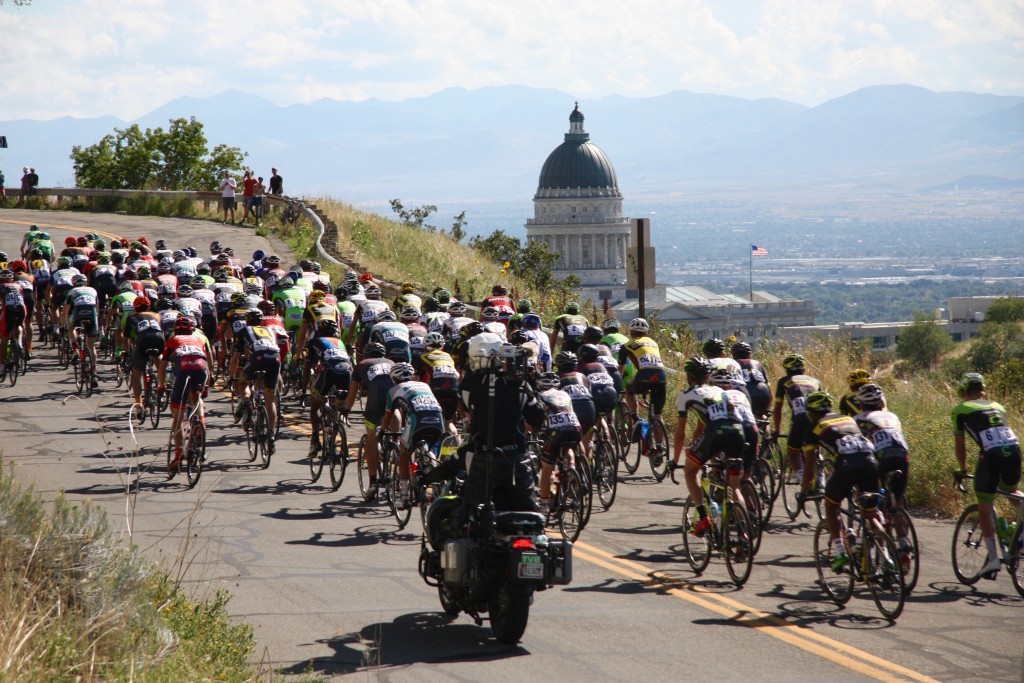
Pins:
x: 248, y: 189
x: 227, y: 194
x: 33, y: 181
x: 276, y: 182
x: 257, y: 199
x: 24, y: 185
x: 3, y: 190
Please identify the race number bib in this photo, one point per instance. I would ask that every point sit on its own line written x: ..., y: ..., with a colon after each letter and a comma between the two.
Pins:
x: 719, y: 410
x: 798, y: 406
x: 649, y: 361
x: 562, y: 420
x: 853, y: 443
x: 997, y: 437
x: 376, y: 370
x: 600, y: 379
x: 424, y: 403
x: 14, y: 298
x: 335, y: 354
x: 887, y: 438
x: 146, y: 324
x: 572, y: 330
x: 85, y: 300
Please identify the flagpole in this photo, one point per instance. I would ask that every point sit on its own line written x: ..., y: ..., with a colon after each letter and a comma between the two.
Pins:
x: 750, y: 272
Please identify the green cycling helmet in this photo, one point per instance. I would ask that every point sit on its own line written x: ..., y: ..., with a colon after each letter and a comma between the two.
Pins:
x: 793, y: 362
x: 818, y: 401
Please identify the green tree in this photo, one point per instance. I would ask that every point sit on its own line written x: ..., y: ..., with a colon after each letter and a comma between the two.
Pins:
x: 532, y: 261
x: 175, y: 159
x: 995, y: 344
x: 1007, y: 309
x: 921, y: 343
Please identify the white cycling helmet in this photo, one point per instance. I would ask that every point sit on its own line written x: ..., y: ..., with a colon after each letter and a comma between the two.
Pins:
x: 639, y: 325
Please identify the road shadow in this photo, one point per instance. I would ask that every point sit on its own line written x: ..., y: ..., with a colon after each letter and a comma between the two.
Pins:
x: 371, y: 534
x: 976, y: 595
x: 417, y: 638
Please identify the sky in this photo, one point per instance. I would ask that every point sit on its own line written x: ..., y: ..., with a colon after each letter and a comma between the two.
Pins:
x: 88, y: 58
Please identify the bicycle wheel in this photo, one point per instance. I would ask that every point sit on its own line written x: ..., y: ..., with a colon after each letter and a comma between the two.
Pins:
x: 88, y: 374
x: 337, y: 454
x: 884, y: 576
x: 585, y: 472
x: 910, y: 557
x: 14, y: 363
x: 737, y: 546
x: 752, y: 503
x: 78, y: 366
x: 170, y: 459
x: 570, y: 505
x: 363, y: 472
x: 789, y: 488
x: 696, y: 549
x: 774, y: 456
x: 657, y: 439
x: 323, y: 435
x: 606, y: 475
x: 195, y: 452
x: 629, y: 455
x: 262, y: 435
x: 837, y: 585
x: 763, y: 480
x: 824, y: 473
x: 277, y: 425
x: 969, y: 552
x: 395, y: 490
x: 152, y: 403
x: 1015, y: 560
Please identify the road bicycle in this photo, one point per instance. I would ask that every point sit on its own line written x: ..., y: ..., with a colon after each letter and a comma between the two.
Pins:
x: 193, y: 438
x: 566, y: 508
x: 772, y: 456
x: 822, y: 468
x: 900, y: 527
x: 333, y: 442
x: 81, y: 359
x: 652, y: 442
x: 870, y: 558
x: 969, y: 552
x: 257, y: 422
x: 63, y: 339
x: 369, y: 492
x: 605, y: 461
x: 731, y: 532
x: 153, y: 401
x: 388, y: 479
x: 16, y: 356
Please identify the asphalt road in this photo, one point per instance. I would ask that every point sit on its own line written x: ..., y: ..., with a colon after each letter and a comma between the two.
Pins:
x: 330, y: 583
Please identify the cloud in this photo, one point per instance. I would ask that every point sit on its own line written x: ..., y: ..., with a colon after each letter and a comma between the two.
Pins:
x: 93, y: 57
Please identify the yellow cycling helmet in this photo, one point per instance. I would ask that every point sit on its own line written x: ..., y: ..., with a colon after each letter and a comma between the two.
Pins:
x: 316, y: 296
x: 858, y: 377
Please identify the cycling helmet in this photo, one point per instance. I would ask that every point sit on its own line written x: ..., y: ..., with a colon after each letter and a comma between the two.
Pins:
x: 62, y: 262
x: 499, y: 290
x: 179, y: 255
x: 794, y: 362
x: 79, y: 280
x: 258, y: 255
x: 610, y: 325
x: 713, y: 348
x: 434, y: 340
x: 572, y: 308
x: 547, y: 380
x: 33, y: 227
x: 401, y: 372
x: 45, y: 236
x: 340, y: 293
x: 184, y: 291
x: 697, y: 367
x: 431, y: 305
x: 818, y: 401
x: 524, y: 306
x: 410, y: 314
x: 273, y: 261
x: 317, y: 284
x: 7, y: 275
x: 254, y: 316
x: 160, y: 244
x: 741, y: 350
x: 366, y: 278
x: 227, y: 250
x: 316, y: 267
x: 971, y: 380
x: 518, y: 337
x: 305, y: 265
x: 4, y: 257
x: 472, y: 329
x: 220, y: 275
x: 870, y: 396
x: 722, y: 377
x: 387, y: 315
x: 247, y: 271
x: 639, y: 325
x: 457, y: 308
x: 858, y: 377
x: 130, y: 275
x: 443, y: 296
x: 239, y: 299
x: 70, y: 241
x: 125, y: 287
x: 163, y: 268
x: 103, y: 259
x: 566, y: 359
x: 316, y: 296
x: 592, y: 334
x: 141, y: 302
x: 327, y: 327
x: 531, y: 321
x: 83, y: 241
x: 408, y: 288
x: 374, y: 350
x: 18, y: 266
x: 295, y: 270
x: 406, y: 300
x: 489, y: 314
x: 266, y: 307
x: 252, y: 288
x: 35, y: 254
x: 185, y: 323
x: 93, y: 254
x: 197, y: 283
x: 372, y: 292
x: 144, y: 272
x: 588, y: 353
x: 215, y: 246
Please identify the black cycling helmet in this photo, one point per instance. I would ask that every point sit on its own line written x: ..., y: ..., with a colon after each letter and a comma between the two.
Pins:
x: 697, y: 367
x: 566, y: 359
x: 254, y: 316
x: 518, y: 337
x: 713, y: 348
x: 547, y: 380
x: 588, y: 353
x: 374, y: 350
x: 327, y: 327
x: 741, y: 350
x: 592, y: 334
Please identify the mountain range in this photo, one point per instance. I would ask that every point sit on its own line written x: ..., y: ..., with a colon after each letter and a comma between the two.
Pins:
x: 489, y: 144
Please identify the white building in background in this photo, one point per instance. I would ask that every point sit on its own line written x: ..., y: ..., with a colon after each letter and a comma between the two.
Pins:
x: 577, y: 212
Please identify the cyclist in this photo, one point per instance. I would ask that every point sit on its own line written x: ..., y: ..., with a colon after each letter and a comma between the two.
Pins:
x: 884, y: 430
x: 290, y: 300
x: 410, y: 317
x: 531, y: 327
x: 452, y: 326
x: 593, y: 336
x: 739, y: 403
x: 40, y: 269
x: 855, y: 465
x: 317, y: 310
x: 28, y: 240
x: 719, y: 430
x: 793, y: 390
x: 643, y: 353
x: 142, y: 328
x: 12, y: 316
x: 207, y: 305
x: 24, y: 279
x: 191, y: 359
x: 433, y: 317
x: 502, y: 304
x: 411, y: 404
x: 714, y: 351
x: 366, y: 316
x: 259, y: 347
x: 523, y: 306
x: 346, y: 312
x: 393, y: 335
x: 848, y: 404
x: 570, y: 325
x: 602, y: 383
x: 103, y: 278
x: 577, y: 386
x: 407, y: 297
x: 81, y: 308
x: 373, y: 372
x: 437, y: 369
x: 999, y: 457
x: 756, y: 378
x: 325, y: 352
x: 119, y: 310
x: 563, y: 431
x: 60, y: 285
x: 187, y: 303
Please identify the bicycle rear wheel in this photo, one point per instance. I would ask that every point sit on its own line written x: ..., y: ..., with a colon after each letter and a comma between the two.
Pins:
x: 752, y: 503
x: 910, y: 557
x: 570, y: 505
x: 195, y: 452
x: 606, y: 475
x: 261, y: 430
x: 657, y: 439
x: 337, y: 456
x: 788, y: 491
x: 737, y: 546
x: 968, y: 552
x: 395, y: 490
x: 1015, y: 559
x: 321, y: 435
x: 14, y: 363
x: 88, y: 374
x: 363, y: 472
x: 837, y: 586
x: 884, y: 577
x: 824, y: 473
x: 697, y: 549
x: 586, y: 475
x: 764, y: 482
x: 628, y: 454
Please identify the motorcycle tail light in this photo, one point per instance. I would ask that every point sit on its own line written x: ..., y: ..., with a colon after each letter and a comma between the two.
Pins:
x: 522, y: 544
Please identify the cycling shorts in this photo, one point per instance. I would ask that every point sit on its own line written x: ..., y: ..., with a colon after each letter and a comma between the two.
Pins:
x: 30, y: 301
x: 797, y: 432
x: 87, y: 317
x: 853, y: 470
x: 895, y: 460
x: 996, y: 466
x: 190, y: 380
x: 269, y: 364
x: 725, y: 437
x: 750, y: 436
x: 586, y: 414
x: 11, y: 318
x: 327, y: 380
x: 374, y: 408
x: 422, y: 425
x: 144, y: 344
x: 557, y: 439
x: 58, y: 294
x: 650, y: 380
x: 760, y: 398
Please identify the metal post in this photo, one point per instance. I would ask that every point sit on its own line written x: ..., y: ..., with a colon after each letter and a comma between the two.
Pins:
x: 640, y: 267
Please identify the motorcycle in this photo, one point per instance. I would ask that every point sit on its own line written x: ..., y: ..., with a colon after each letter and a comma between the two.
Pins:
x: 492, y: 565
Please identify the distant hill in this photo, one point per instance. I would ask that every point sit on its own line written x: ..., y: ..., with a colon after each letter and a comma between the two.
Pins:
x: 489, y: 144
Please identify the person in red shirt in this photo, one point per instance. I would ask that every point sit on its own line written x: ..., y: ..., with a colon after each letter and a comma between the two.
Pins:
x: 248, y: 192
x: 190, y: 355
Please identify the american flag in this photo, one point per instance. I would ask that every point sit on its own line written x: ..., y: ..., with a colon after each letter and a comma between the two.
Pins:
x: 758, y: 251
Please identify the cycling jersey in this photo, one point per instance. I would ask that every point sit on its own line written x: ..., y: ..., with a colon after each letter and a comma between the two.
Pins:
x: 855, y: 464
x: 421, y: 413
x: 314, y: 313
x: 602, y: 385
x: 144, y: 329
x: 395, y: 338
x: 885, y: 432
x: 563, y: 427
x: 571, y: 327
x: 336, y: 367
x: 793, y: 389
x: 577, y: 386
x: 434, y: 321
x: 13, y: 312
x: 719, y: 428
x: 374, y: 375
x: 84, y: 302
x: 1000, y: 458
x: 644, y: 355
x: 292, y: 303
x: 756, y: 379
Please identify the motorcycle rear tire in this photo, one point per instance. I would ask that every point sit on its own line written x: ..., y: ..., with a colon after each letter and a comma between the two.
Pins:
x: 509, y: 611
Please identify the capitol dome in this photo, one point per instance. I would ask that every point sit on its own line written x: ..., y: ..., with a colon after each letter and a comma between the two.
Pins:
x: 578, y: 164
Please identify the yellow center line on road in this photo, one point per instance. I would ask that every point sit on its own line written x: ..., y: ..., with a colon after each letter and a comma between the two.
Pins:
x: 69, y: 228
x: 806, y: 639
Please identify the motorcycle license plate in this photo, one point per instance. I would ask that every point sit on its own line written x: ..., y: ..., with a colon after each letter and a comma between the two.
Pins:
x: 531, y: 566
